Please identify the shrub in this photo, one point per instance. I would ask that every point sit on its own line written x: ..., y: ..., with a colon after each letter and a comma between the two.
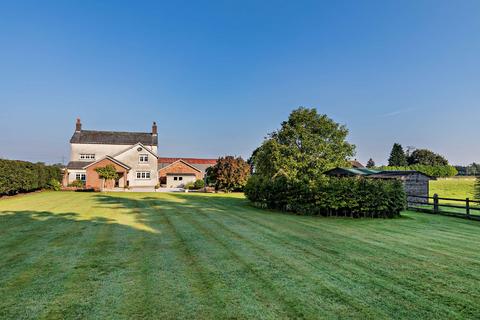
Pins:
x: 54, y: 185
x: 189, y: 185
x: 77, y: 184
x: 434, y: 171
x: 21, y: 176
x: 199, y: 184
x: 355, y: 197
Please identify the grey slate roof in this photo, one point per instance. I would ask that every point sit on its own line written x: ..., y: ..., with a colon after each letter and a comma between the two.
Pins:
x: 72, y: 165
x: 114, y: 137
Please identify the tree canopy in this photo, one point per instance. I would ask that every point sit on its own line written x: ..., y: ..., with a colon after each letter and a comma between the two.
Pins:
x: 426, y: 157
x: 229, y: 173
x: 370, y: 163
x: 305, y: 146
x: 108, y: 172
x: 397, y: 156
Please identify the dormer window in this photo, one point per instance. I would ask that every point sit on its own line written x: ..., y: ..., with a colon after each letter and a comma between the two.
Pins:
x: 143, y: 158
x: 87, y: 156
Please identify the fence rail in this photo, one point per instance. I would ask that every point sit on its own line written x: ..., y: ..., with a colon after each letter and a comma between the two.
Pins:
x: 470, y: 209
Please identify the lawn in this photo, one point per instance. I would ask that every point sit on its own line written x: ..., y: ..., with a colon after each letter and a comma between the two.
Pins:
x: 165, y: 256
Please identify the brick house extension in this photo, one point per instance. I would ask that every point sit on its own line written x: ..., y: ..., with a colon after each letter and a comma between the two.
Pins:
x: 176, y: 172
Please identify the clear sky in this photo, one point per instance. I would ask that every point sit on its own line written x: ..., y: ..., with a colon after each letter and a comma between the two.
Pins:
x: 218, y: 76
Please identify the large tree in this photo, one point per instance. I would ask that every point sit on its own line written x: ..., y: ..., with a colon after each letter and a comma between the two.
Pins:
x: 397, y: 156
x: 305, y: 146
x: 426, y: 157
x: 229, y: 173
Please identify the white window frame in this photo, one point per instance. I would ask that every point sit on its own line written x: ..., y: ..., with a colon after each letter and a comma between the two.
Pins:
x: 143, y: 175
x: 143, y: 158
x: 80, y: 176
x: 87, y: 156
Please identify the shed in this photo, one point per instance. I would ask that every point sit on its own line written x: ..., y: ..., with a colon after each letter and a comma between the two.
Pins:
x: 414, y: 182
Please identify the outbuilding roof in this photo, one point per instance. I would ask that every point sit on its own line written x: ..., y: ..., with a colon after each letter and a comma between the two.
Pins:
x: 114, y: 137
x: 189, y: 160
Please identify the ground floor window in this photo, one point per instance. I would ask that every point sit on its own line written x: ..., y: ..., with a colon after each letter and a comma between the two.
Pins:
x: 143, y: 175
x: 178, y: 178
x: 80, y: 176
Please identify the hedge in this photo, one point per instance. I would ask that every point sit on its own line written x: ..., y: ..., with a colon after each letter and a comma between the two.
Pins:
x: 21, y: 176
x: 352, y: 197
x: 434, y: 171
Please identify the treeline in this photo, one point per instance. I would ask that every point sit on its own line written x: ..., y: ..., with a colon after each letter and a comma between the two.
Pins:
x: 21, y: 176
x: 434, y: 171
x: 470, y: 170
x: 422, y: 160
x: 350, y: 197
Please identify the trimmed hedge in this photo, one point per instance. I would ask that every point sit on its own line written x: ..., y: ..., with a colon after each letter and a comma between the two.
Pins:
x: 21, y: 176
x: 352, y: 197
x: 434, y: 171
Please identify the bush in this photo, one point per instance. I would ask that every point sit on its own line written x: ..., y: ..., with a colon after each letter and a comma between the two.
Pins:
x: 189, y: 185
x: 77, y: 184
x: 199, y: 184
x: 355, y: 197
x: 434, y: 171
x: 21, y: 176
x: 54, y: 185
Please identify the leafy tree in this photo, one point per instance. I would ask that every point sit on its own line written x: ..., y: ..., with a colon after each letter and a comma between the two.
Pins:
x: 229, y: 173
x: 305, y: 146
x: 107, y: 173
x: 427, y: 158
x: 370, y: 163
x: 397, y: 156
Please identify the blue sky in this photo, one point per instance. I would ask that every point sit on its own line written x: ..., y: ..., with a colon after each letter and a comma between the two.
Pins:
x: 218, y: 76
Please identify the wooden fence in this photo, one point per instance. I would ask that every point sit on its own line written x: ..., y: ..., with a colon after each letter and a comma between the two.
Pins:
x: 469, y: 210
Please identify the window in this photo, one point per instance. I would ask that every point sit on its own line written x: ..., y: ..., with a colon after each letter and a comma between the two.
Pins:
x: 175, y: 178
x: 144, y: 175
x: 87, y: 156
x: 143, y: 158
x: 180, y: 178
x: 80, y: 176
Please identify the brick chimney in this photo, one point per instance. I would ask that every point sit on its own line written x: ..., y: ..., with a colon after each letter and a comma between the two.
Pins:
x: 154, y: 128
x: 78, y: 125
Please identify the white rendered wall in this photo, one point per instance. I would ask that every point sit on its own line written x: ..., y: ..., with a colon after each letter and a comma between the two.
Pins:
x: 100, y: 150
x: 131, y: 158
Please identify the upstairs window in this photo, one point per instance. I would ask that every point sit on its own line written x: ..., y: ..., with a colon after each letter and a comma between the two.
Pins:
x: 87, y: 156
x: 144, y: 175
x: 143, y: 158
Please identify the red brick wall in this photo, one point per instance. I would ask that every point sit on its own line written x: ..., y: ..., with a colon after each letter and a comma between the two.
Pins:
x: 93, y: 181
x: 179, y: 167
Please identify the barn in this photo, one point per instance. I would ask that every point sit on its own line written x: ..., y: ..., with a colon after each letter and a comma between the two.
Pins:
x: 414, y: 182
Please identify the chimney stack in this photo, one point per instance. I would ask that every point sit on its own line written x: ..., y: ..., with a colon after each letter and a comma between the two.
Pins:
x: 154, y: 128
x: 78, y: 125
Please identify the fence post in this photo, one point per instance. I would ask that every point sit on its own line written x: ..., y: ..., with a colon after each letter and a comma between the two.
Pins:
x: 435, y: 203
x: 467, y: 207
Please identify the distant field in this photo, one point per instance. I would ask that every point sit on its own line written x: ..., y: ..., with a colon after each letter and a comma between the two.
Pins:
x: 453, y: 188
x: 67, y: 255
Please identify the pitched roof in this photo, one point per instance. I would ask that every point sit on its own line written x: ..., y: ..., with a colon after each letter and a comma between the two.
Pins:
x: 121, y: 164
x: 114, y: 137
x: 356, y: 164
x: 184, y: 162
x: 352, y: 171
x: 76, y: 165
x: 188, y: 160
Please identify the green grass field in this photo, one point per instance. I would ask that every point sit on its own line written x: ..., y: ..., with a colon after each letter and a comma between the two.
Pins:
x: 164, y: 256
x: 453, y: 188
